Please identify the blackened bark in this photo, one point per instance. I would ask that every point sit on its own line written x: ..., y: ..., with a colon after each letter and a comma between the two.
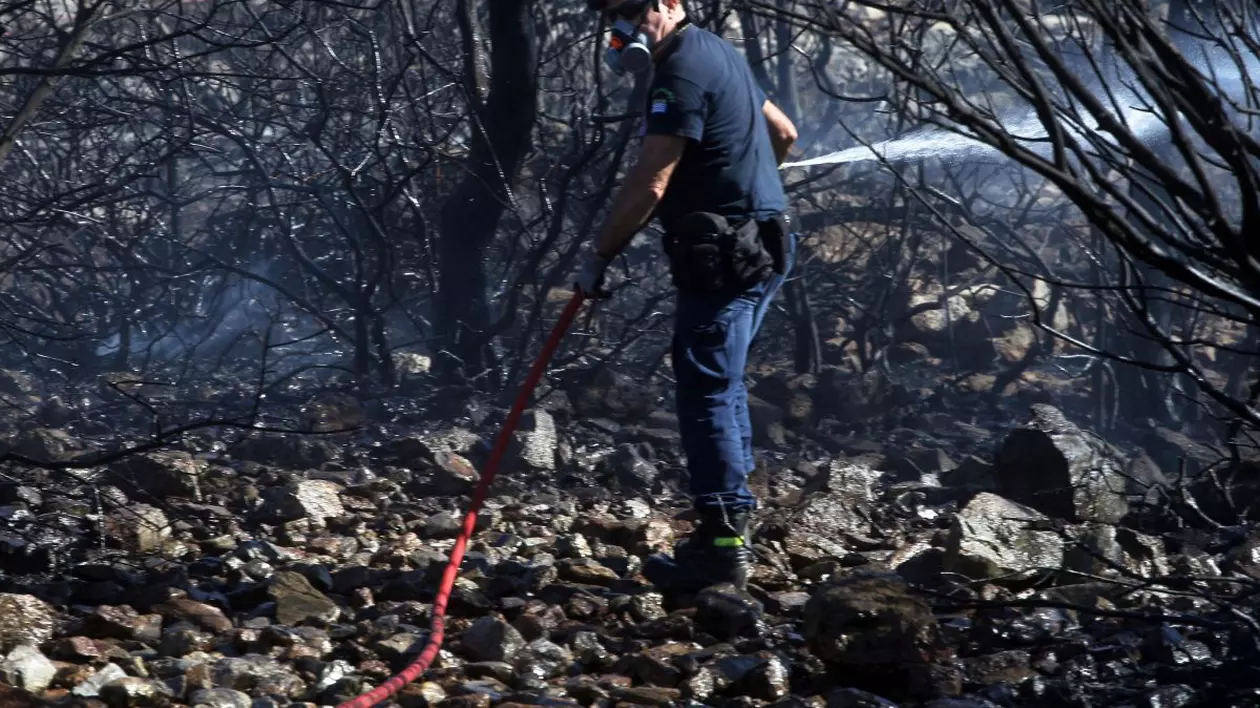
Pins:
x: 500, y: 137
x: 808, y: 347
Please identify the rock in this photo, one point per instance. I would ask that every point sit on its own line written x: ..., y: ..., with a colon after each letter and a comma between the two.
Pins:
x: 492, y: 639
x: 790, y: 603
x: 1001, y: 667
x: 16, y: 383
x: 792, y: 396
x: 199, y: 613
x: 172, y: 473
x: 767, y: 422
x: 855, y: 698
x: 1053, y: 466
x: 256, y: 674
x: 1244, y: 558
x: 656, y: 666
x: 1172, y: 450
x: 535, y: 442
x: 27, y: 668
x: 993, y: 538
x: 411, y: 364
x: 648, y: 696
x: 13, y: 697
x: 25, y: 620
x: 297, y: 601
x: 971, y: 473
x: 452, y: 474
x: 139, y: 527
x: 313, y: 499
x: 181, y: 639
x: 91, y: 687
x: 21, y: 493
x: 1093, y: 549
x: 587, y: 571
x: 541, y: 661
x: 45, y: 444
x: 631, y: 469
x: 219, y: 698
x: 601, y: 391
x: 864, y: 398
x: 331, y: 412
x: 769, y: 680
x: 444, y: 524
x: 421, y: 695
x: 727, y: 613
x: 932, y: 316
x: 289, y: 452
x: 122, y: 622
x: 400, y: 645
x: 820, y: 525
x: 875, y: 635
x: 134, y: 692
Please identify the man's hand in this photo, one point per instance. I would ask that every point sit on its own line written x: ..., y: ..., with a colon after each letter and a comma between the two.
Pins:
x: 590, y: 280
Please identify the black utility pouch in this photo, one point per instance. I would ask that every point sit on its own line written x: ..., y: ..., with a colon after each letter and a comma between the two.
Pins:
x: 707, y: 254
x: 775, y: 235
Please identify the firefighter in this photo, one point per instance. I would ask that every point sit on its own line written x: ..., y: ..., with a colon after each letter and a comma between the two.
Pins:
x: 708, y: 171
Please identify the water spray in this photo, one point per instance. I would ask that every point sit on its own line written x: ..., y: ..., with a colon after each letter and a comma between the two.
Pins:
x: 1026, y: 128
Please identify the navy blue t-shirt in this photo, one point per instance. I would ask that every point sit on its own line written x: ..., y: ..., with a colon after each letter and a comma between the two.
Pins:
x: 703, y: 89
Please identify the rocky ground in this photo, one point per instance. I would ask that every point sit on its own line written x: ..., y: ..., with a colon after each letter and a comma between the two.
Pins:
x: 938, y: 563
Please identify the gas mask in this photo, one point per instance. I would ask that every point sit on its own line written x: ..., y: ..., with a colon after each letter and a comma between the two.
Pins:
x: 629, y: 50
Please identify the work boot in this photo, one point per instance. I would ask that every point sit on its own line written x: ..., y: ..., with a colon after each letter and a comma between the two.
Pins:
x: 718, y: 551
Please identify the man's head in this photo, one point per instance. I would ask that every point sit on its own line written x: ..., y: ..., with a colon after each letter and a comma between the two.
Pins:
x: 638, y: 28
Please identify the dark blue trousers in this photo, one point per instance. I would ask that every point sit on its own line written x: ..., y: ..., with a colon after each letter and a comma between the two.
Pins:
x: 712, y: 336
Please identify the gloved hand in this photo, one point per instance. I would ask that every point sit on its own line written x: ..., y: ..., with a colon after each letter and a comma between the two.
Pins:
x: 590, y: 279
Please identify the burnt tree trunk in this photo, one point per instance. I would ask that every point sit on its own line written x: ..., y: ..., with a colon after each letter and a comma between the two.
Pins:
x: 502, y: 120
x: 808, y: 348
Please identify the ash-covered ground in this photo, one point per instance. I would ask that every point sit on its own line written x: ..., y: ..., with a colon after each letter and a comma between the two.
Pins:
x: 911, y: 552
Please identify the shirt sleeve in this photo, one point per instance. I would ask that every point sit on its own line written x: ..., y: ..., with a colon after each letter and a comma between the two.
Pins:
x: 676, y: 106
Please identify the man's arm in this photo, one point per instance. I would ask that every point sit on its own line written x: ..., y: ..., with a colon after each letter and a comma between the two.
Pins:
x: 641, y: 192
x: 782, y: 130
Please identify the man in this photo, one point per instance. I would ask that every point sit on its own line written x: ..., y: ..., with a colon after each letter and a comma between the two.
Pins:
x: 712, y: 144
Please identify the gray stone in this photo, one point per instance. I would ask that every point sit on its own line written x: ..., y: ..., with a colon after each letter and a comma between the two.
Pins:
x: 631, y: 469
x: 27, y: 668
x: 182, y: 638
x: 25, y: 619
x: 138, y: 527
x: 314, y: 499
x: 219, y: 698
x: 122, y: 622
x: 535, y: 438
x: 1053, y: 466
x: 134, y: 692
x: 256, y: 674
x: 855, y: 698
x: 873, y: 628
x: 727, y: 613
x: 164, y: 473
x: 297, y: 601
x: 995, y: 538
x: 492, y: 639
x: 91, y: 686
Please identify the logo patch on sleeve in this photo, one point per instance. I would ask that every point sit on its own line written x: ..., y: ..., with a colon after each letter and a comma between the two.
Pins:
x: 661, y: 98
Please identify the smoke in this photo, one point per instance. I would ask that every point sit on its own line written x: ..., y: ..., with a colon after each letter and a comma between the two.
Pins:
x: 233, y: 316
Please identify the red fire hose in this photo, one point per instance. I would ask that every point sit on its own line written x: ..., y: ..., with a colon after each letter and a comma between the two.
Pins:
x: 437, y: 628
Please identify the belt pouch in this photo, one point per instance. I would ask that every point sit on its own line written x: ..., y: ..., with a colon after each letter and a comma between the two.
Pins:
x: 707, y: 254
x: 775, y: 235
